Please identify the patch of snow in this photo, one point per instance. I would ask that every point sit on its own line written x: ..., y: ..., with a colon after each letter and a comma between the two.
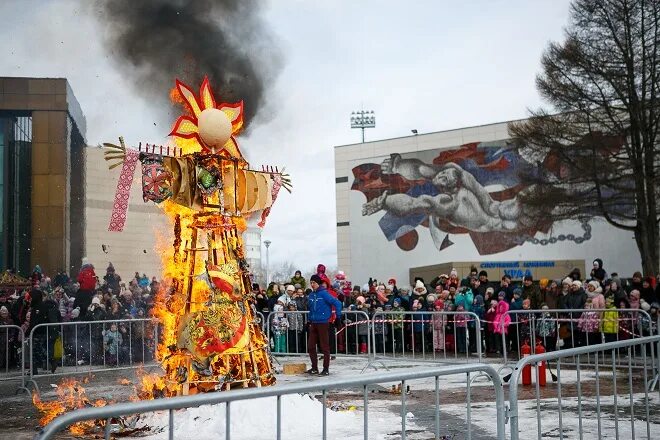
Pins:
x: 302, y: 417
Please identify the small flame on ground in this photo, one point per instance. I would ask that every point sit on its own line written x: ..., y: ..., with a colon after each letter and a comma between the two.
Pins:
x: 70, y: 396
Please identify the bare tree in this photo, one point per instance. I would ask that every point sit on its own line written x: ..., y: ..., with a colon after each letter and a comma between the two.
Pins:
x: 597, y: 143
x: 283, y: 272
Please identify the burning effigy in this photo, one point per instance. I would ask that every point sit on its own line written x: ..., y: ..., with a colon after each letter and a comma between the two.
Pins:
x: 210, y: 338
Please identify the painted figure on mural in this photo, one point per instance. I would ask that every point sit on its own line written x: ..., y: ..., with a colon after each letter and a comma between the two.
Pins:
x: 461, y: 199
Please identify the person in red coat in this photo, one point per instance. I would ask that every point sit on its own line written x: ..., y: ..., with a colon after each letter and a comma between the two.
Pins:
x: 87, y: 280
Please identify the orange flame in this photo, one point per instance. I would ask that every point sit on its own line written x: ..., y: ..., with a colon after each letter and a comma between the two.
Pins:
x: 70, y: 396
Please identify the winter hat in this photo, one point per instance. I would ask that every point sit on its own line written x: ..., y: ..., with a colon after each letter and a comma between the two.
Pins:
x: 517, y: 291
x: 391, y: 281
x: 5, y: 311
x: 642, y: 304
x: 567, y: 280
x: 320, y: 269
x: 528, y: 278
x: 404, y: 289
x: 544, y: 282
x: 501, y: 295
x: 490, y: 289
x: 444, y: 275
x: 483, y: 273
x: 360, y: 299
x: 96, y: 300
x: 283, y: 299
x: 290, y: 288
x: 365, y: 287
x: 453, y: 273
x: 396, y: 302
x: 315, y: 278
x: 420, y: 285
x: 439, y: 303
x: 75, y: 312
x: 577, y: 283
x: 430, y: 299
x: 335, y: 285
x: 340, y: 275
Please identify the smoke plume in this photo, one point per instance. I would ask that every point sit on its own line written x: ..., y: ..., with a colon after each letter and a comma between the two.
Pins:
x: 160, y: 40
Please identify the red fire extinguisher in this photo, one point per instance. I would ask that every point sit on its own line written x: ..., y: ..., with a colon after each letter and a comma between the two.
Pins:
x: 540, y: 368
x: 526, y: 350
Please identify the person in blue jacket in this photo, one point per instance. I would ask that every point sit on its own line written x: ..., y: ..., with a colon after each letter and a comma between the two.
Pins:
x: 320, y: 304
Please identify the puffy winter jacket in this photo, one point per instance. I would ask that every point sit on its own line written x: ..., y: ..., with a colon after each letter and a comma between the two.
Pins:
x: 610, y: 322
x: 502, y: 321
x: 320, y: 305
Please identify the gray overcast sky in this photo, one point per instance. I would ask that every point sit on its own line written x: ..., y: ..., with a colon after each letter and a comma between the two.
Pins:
x: 429, y: 65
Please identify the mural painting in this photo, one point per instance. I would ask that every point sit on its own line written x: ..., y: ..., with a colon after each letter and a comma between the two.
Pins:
x: 474, y: 189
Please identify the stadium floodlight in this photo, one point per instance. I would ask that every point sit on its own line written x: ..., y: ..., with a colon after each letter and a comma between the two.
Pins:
x: 363, y: 119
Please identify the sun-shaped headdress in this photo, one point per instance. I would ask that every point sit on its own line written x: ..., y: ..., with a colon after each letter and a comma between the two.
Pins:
x: 213, y: 125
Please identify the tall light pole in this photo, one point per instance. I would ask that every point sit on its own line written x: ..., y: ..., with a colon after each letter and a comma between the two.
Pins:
x: 267, y: 243
x: 363, y: 119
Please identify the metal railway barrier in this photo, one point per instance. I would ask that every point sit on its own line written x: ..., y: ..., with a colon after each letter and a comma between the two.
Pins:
x: 547, y: 327
x: 89, y: 346
x: 426, y: 336
x: 12, y: 355
x: 287, y: 333
x: 360, y: 382
x: 605, y: 363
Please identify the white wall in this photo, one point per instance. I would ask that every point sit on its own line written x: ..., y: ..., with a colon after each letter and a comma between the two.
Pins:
x: 363, y: 250
x: 144, y: 221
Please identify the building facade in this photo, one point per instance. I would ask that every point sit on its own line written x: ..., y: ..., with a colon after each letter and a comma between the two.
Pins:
x: 410, y: 203
x: 136, y: 248
x: 42, y: 175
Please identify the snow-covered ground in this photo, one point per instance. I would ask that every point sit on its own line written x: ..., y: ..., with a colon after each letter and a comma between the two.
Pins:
x: 484, y: 416
x: 302, y: 418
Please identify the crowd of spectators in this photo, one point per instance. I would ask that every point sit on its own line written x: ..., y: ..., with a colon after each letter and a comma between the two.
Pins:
x: 604, y: 308
x: 61, y: 299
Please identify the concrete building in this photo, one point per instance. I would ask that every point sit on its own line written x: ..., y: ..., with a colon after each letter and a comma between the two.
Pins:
x: 147, y: 229
x: 252, y: 246
x: 42, y: 180
x: 397, y: 221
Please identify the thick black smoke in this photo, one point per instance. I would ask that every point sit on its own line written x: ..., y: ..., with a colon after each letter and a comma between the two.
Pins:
x: 187, y: 39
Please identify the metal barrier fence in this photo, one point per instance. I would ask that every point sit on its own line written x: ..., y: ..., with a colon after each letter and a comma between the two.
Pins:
x: 88, y: 346
x: 262, y: 321
x: 605, y: 356
x: 361, y: 383
x: 12, y: 355
x: 570, y: 328
x: 287, y: 333
x: 426, y: 336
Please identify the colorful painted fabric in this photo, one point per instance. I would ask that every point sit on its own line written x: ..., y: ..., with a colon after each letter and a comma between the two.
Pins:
x: 277, y: 184
x: 123, y: 191
x: 156, y: 180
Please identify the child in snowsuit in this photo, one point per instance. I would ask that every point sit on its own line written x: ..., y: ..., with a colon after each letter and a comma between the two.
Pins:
x: 502, y: 321
x: 439, y: 321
